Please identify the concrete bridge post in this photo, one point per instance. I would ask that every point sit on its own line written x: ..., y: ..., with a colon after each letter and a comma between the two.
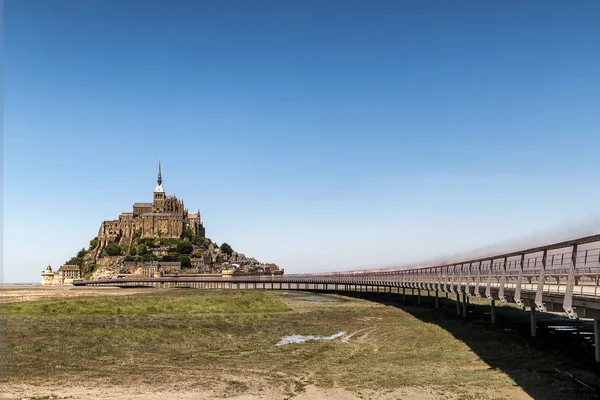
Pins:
x: 533, y: 324
x: 418, y: 296
x: 437, y: 300
x: 464, y: 305
x: 404, y: 295
x: 493, y: 310
x: 458, y: 304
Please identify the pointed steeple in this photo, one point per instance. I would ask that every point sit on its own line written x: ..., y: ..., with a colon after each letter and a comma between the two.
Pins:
x: 159, y: 174
x: 159, y: 188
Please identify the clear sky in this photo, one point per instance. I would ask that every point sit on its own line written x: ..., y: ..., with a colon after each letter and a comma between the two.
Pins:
x: 318, y: 135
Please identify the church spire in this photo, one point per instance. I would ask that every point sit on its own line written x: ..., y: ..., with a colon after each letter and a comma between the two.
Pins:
x: 159, y: 180
x: 159, y: 188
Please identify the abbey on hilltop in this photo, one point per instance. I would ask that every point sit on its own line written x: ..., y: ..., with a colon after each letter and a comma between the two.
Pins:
x: 165, y: 217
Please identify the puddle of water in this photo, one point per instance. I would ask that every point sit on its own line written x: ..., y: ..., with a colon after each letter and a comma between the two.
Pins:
x: 347, y: 337
x: 295, y: 339
x: 561, y: 328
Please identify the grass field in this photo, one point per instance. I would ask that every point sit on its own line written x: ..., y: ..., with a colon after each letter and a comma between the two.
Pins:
x: 222, y: 344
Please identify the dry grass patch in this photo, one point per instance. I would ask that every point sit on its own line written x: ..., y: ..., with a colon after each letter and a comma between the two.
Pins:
x: 224, y: 341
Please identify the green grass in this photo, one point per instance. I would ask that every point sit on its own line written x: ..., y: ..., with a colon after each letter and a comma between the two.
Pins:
x: 157, y: 303
x: 226, y: 340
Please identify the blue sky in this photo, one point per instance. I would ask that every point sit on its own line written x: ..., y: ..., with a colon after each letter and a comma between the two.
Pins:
x: 317, y: 135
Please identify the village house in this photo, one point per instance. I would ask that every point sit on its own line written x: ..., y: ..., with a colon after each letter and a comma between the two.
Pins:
x: 156, y: 268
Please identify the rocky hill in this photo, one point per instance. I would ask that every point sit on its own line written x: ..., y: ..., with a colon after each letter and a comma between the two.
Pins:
x: 196, y: 255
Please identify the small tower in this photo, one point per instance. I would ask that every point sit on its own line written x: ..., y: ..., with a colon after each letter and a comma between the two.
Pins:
x: 47, y: 276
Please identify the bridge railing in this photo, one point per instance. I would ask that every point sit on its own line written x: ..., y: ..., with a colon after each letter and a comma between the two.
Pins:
x: 567, y: 268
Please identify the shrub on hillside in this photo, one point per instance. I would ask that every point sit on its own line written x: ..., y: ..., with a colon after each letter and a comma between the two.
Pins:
x: 148, y: 242
x: 113, y: 249
x: 170, y: 257
x: 184, y: 247
x: 185, y: 262
x: 75, y: 261
x: 149, y: 257
x: 187, y: 233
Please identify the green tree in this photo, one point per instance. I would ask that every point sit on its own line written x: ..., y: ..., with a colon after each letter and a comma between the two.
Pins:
x: 185, y: 262
x: 113, y: 249
x: 143, y: 250
x: 81, y: 253
x: 93, y: 243
x: 187, y: 233
x: 129, y: 258
x: 148, y: 242
x: 226, y: 248
x: 75, y: 261
x: 184, y: 247
x: 149, y: 257
x: 133, y: 251
x: 89, y: 270
x: 170, y: 257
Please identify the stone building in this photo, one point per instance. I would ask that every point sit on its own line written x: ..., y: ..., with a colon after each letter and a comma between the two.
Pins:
x: 155, y: 268
x: 64, y: 276
x: 160, y: 251
x: 166, y: 217
x: 48, y: 276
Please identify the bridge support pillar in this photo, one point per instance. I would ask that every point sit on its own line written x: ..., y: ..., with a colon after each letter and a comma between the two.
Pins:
x: 404, y: 295
x: 437, y: 300
x: 533, y: 325
x: 597, y: 338
x: 464, y: 305
x: 458, y: 304
x: 418, y: 296
x: 493, y: 310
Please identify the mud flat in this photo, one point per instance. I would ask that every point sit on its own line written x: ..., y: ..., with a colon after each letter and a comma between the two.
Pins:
x: 200, y: 344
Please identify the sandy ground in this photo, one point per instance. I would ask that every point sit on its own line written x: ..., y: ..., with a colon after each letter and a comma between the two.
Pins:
x: 310, y: 393
x: 50, y: 390
x: 32, y: 292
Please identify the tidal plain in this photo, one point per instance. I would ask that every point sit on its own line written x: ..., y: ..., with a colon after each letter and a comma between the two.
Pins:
x: 200, y: 344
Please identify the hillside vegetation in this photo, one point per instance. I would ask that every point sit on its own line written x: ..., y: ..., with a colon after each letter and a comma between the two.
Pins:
x: 141, y: 250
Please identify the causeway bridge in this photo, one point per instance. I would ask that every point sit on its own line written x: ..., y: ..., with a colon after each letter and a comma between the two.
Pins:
x: 559, y: 277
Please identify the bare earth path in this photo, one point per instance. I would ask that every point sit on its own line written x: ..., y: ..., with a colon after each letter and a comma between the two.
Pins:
x: 192, y: 344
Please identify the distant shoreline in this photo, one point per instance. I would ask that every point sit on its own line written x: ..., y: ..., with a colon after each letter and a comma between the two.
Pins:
x: 2, y: 285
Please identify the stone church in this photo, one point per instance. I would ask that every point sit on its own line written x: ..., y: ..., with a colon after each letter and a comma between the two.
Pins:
x: 166, y: 217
